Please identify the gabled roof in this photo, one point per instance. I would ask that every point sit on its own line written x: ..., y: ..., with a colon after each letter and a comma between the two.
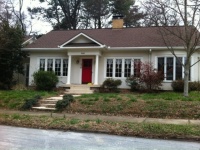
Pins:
x: 127, y: 37
x: 77, y: 42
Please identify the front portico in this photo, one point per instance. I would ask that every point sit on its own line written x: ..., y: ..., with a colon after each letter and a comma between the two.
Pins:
x: 83, y: 67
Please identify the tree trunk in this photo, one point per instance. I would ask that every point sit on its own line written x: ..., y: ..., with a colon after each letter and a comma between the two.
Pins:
x: 99, y: 22
x: 186, y: 79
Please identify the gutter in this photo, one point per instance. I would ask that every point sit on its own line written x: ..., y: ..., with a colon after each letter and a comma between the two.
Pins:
x: 146, y: 48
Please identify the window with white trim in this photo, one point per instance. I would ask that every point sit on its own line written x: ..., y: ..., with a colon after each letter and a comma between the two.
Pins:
x: 120, y: 67
x: 127, y: 67
x: 49, y: 64
x: 109, y: 68
x: 42, y: 64
x: 58, y: 65
x: 171, y: 67
x: 65, y: 67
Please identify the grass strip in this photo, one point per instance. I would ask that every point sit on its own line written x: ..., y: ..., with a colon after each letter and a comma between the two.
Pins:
x: 147, y: 130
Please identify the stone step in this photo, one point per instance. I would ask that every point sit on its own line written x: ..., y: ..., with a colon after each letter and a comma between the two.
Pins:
x: 43, y: 108
x: 48, y: 105
x: 48, y: 101
x: 54, y: 98
x: 78, y: 92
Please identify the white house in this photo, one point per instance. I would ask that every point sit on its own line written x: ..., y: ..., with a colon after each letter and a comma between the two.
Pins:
x: 91, y: 56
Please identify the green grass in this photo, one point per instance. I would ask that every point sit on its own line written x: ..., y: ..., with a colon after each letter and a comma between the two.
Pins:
x: 156, y: 105
x: 171, y: 96
x: 13, y: 99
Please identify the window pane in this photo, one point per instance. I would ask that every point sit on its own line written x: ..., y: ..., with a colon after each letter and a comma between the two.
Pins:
x: 161, y: 64
x: 65, y: 67
x: 118, y: 68
x: 136, y: 67
x: 109, y: 68
x: 170, y: 62
x: 50, y: 65
x: 179, y: 68
x: 127, y: 68
x: 42, y: 64
x: 58, y: 67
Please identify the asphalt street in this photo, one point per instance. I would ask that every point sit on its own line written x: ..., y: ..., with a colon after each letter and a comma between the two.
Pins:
x: 15, y: 138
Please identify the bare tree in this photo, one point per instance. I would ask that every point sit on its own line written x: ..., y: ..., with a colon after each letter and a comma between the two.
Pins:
x: 185, y: 34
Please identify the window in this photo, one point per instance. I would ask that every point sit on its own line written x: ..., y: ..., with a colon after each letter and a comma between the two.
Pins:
x: 109, y: 68
x: 49, y: 64
x: 127, y: 68
x: 120, y: 67
x: 137, y: 67
x: 58, y: 65
x: 65, y: 67
x: 42, y: 64
x: 179, y: 68
x: 171, y: 67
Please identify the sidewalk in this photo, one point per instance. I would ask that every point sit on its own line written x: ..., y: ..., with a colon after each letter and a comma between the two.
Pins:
x: 107, y: 118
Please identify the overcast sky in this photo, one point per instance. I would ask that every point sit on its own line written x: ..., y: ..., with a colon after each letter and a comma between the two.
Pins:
x: 38, y: 26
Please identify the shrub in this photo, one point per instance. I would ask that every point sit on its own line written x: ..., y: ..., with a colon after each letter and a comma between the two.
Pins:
x: 132, y: 81
x: 29, y: 103
x: 111, y: 84
x: 148, y: 78
x: 65, y: 102
x: 194, y: 86
x: 178, y: 86
x: 45, y: 80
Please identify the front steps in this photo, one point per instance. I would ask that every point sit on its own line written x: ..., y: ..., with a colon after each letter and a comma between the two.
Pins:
x: 49, y: 104
x: 79, y: 89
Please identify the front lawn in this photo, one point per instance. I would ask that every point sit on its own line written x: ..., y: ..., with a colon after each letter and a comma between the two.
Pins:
x: 156, y: 105
x: 14, y: 99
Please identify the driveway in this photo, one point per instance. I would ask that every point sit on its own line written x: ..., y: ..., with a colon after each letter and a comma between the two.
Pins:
x: 15, y: 138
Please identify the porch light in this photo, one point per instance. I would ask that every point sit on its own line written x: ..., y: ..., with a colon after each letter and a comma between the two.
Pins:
x: 77, y: 61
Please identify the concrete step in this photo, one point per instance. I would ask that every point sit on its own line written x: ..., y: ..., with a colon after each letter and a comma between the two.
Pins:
x: 78, y: 92
x: 48, y: 105
x: 48, y: 101
x: 43, y: 108
x: 54, y: 98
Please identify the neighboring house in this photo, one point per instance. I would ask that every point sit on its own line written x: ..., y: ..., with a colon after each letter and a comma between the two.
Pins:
x: 91, y: 56
x: 24, y: 79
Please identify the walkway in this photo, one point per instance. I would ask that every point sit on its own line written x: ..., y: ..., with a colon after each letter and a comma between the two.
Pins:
x: 106, y: 118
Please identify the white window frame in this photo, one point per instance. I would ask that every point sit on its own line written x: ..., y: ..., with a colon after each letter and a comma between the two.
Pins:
x: 54, y: 58
x: 174, y: 68
x: 123, y: 61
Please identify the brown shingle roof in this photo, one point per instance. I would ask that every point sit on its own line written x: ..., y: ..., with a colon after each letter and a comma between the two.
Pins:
x: 127, y: 37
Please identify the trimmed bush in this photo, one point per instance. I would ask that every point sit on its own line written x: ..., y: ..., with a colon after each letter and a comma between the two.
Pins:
x: 29, y: 103
x: 178, y: 86
x: 194, y: 86
x: 132, y: 81
x: 111, y: 84
x: 45, y: 80
x: 65, y: 102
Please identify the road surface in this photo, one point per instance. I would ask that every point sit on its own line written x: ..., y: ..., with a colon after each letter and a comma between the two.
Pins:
x: 14, y: 138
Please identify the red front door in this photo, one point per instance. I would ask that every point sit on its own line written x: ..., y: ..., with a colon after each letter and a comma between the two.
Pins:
x: 86, y: 71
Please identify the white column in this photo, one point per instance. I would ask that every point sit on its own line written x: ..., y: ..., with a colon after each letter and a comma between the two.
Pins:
x: 96, y: 70
x: 69, y: 69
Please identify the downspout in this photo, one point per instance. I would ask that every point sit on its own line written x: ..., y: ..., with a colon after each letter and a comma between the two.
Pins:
x: 150, y: 53
x: 198, y: 74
